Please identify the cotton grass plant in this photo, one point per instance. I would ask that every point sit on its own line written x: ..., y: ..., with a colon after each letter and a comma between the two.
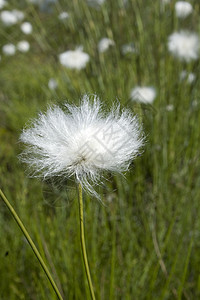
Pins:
x: 80, y: 142
x: 144, y: 243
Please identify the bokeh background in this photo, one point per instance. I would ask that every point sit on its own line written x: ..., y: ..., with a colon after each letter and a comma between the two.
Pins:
x: 144, y: 242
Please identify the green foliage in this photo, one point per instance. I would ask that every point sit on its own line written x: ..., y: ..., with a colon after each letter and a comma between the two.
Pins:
x: 144, y: 242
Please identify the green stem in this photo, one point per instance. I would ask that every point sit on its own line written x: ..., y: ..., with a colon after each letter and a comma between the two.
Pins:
x: 83, y: 247
x: 27, y: 236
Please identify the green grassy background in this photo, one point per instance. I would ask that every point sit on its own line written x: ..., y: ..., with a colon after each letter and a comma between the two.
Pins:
x: 145, y: 242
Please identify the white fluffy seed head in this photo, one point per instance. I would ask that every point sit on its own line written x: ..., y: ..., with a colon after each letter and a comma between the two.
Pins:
x: 143, y: 94
x: 183, y: 9
x: 104, y: 44
x: 74, y: 59
x: 63, y: 15
x: 184, y: 45
x: 26, y: 28
x: 2, y: 3
x: 9, y: 18
x: 82, y: 142
x: 9, y: 49
x: 23, y: 46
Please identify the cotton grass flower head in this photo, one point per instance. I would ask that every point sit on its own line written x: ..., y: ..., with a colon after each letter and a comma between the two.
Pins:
x: 9, y: 18
x: 188, y: 76
x: 74, y: 59
x: 9, y: 49
x: 104, y: 44
x: 183, y: 9
x: 63, y: 16
x: 82, y: 142
x: 144, y: 94
x: 184, y: 45
x: 19, y: 14
x: 128, y: 48
x: 52, y: 84
x: 2, y: 3
x: 23, y: 46
x: 26, y: 28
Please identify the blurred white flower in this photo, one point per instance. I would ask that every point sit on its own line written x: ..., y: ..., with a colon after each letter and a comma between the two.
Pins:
x: 2, y: 3
x: 170, y: 107
x: 26, y: 28
x: 104, y: 44
x: 23, y: 46
x: 81, y: 142
x: 63, y: 15
x: 184, y: 45
x: 145, y: 94
x: 9, y: 18
x: 74, y: 59
x: 190, y: 77
x: 9, y: 49
x: 19, y: 14
x: 128, y: 48
x: 52, y: 84
x: 183, y: 9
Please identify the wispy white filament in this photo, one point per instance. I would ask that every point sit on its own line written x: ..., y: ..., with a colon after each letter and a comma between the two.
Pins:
x: 81, y: 141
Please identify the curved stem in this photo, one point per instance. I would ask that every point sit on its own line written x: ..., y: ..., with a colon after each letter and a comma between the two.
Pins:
x: 27, y: 236
x: 83, y: 247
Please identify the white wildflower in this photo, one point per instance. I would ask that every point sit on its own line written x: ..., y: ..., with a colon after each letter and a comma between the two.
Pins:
x: 9, y: 49
x: 81, y: 142
x: 190, y: 77
x: 11, y: 17
x: 63, y: 15
x: 19, y: 14
x: 76, y: 59
x: 183, y: 9
x: 26, y: 28
x: 184, y: 45
x: 145, y: 94
x: 52, y: 84
x: 128, y: 48
x: 23, y: 46
x: 104, y: 44
x: 8, y: 18
x: 2, y: 3
x: 170, y: 107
